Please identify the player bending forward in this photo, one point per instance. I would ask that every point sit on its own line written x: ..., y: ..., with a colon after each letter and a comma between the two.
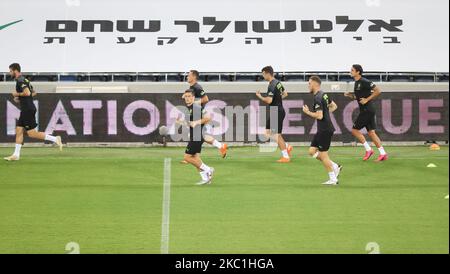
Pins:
x: 198, y: 118
x: 320, y: 145
x: 27, y: 121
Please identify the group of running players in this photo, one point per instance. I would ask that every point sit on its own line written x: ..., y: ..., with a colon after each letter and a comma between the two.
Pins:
x: 197, y: 119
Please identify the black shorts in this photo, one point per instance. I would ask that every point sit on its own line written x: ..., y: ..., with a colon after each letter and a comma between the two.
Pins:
x: 194, y: 147
x: 278, y: 129
x: 322, y: 140
x: 27, y: 120
x: 366, y: 120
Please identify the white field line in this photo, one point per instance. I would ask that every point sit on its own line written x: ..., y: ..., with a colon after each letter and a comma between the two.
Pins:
x: 165, y: 224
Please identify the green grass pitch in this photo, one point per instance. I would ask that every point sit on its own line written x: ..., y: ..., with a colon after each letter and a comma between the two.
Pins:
x: 109, y: 200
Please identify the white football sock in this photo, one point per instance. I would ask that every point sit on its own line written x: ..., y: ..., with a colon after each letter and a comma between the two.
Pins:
x: 335, y: 166
x: 204, y: 167
x: 367, y: 146
x: 381, y: 150
x: 332, y: 176
x: 285, y: 154
x: 17, y: 150
x: 316, y: 155
x: 50, y: 138
x: 217, y: 144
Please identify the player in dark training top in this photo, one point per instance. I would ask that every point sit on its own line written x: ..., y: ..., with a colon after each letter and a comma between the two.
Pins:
x: 276, y: 114
x: 322, y: 107
x: 365, y: 92
x: 198, y: 118
x: 202, y: 99
x: 27, y: 121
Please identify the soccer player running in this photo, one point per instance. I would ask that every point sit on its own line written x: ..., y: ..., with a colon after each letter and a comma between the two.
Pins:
x: 198, y: 118
x: 274, y: 99
x: 27, y: 121
x: 365, y: 92
x: 323, y: 106
x: 202, y: 99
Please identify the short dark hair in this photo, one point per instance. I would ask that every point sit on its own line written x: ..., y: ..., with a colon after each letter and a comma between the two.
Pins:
x: 316, y: 79
x: 195, y: 73
x: 358, y: 68
x: 15, y: 66
x: 191, y: 91
x: 268, y: 69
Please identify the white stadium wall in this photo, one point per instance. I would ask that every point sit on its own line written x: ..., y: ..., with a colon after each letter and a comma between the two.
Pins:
x: 232, y: 35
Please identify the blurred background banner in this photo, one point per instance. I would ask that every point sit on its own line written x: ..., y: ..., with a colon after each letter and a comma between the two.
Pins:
x: 239, y: 36
x: 401, y: 116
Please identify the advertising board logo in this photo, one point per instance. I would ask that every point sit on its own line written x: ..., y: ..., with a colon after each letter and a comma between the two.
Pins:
x: 9, y: 24
x: 212, y: 31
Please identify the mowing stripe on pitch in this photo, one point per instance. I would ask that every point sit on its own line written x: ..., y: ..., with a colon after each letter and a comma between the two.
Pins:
x: 165, y: 224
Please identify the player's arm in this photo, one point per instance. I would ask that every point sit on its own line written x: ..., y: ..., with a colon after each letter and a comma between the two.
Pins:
x: 181, y: 121
x: 318, y: 115
x: 205, y: 120
x: 268, y: 99
x: 25, y: 93
x: 376, y: 91
x: 204, y: 100
x: 332, y: 107
x: 282, y: 91
x: 350, y: 95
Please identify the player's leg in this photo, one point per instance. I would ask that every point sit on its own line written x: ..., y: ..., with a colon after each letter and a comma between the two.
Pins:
x: 313, y: 152
x: 33, y: 133
x: 19, y: 142
x: 371, y: 127
x: 376, y: 140
x: 280, y: 141
x: 329, y: 167
x: 319, y: 150
x: 193, y: 160
x: 285, y: 158
x: 360, y: 123
x: 20, y: 129
x: 192, y: 156
x: 205, y: 171
x: 19, y: 135
x: 223, y: 148
x: 284, y: 147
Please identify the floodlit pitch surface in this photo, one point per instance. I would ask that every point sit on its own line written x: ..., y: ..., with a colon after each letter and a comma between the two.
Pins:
x: 109, y: 200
